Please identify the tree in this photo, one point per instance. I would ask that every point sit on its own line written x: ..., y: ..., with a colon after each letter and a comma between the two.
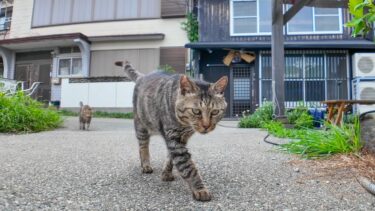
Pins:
x: 363, y: 16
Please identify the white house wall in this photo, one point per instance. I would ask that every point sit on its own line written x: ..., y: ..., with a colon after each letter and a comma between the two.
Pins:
x: 97, y: 95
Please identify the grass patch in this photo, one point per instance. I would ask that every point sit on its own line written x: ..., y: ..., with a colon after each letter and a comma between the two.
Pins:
x: 311, y: 143
x: 101, y: 114
x: 118, y: 115
x: 22, y: 114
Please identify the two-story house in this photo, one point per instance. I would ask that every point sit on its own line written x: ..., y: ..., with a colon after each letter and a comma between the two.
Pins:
x: 318, y: 52
x: 71, y: 46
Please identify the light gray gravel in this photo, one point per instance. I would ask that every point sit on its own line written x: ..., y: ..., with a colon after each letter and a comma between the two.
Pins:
x: 99, y: 170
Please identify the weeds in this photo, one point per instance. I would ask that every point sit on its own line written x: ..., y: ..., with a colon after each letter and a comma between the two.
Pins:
x: 21, y: 114
x: 318, y: 143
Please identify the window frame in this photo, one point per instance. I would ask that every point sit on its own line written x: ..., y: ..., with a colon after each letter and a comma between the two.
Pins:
x: 70, y: 57
x: 314, y: 24
x: 231, y: 20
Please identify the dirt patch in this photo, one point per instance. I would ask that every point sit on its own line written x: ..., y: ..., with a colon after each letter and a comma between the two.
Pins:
x: 337, y: 167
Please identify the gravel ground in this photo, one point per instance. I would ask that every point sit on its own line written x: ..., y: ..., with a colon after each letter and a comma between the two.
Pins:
x: 99, y: 170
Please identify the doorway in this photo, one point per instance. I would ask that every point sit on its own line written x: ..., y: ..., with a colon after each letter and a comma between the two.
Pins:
x: 36, y: 71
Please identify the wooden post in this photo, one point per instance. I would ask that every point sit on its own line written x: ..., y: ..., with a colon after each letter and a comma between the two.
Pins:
x: 278, y: 62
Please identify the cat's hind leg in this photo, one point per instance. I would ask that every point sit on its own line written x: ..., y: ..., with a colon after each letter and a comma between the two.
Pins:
x: 167, y: 174
x: 143, y: 140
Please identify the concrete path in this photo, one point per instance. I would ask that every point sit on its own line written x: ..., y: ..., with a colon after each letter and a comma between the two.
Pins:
x: 99, y: 170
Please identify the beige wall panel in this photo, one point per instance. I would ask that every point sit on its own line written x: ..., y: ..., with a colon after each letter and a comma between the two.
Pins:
x: 174, y: 35
x: 102, y: 62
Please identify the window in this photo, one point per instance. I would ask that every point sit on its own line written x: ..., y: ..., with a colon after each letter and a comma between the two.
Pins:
x: 310, y: 77
x: 5, y: 18
x: 250, y: 17
x: 70, y: 66
x: 312, y: 20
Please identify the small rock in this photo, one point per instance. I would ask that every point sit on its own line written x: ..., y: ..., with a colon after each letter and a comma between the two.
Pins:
x: 296, y: 169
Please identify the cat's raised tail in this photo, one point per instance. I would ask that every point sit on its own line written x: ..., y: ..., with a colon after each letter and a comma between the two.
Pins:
x: 130, y: 72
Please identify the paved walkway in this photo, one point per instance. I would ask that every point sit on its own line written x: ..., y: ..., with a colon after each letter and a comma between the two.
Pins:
x: 99, y: 170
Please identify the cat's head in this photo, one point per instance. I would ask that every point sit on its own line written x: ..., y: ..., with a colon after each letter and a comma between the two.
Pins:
x: 200, y: 104
x: 86, y: 111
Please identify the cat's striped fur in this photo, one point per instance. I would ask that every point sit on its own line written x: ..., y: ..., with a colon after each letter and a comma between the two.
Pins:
x: 175, y: 107
x: 85, y: 115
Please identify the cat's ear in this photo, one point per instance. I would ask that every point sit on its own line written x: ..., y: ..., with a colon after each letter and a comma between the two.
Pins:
x: 220, y: 85
x: 187, y: 86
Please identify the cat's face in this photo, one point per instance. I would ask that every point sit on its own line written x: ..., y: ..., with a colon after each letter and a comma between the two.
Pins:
x: 200, y: 104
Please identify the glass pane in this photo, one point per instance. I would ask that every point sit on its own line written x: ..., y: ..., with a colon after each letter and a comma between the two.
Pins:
x: 327, y: 23
x: 326, y: 11
x: 293, y: 66
x: 241, y: 88
x: 64, y: 66
x: 266, y: 66
x: 265, y: 15
x: 337, y: 66
x: 293, y: 91
x: 266, y: 91
x: 315, y: 91
x: 337, y: 89
x: 302, y: 21
x: 244, y: 8
x: 77, y: 66
x: 314, y: 68
x: 245, y: 25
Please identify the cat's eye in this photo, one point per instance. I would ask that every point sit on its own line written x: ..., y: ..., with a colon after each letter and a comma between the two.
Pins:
x: 196, y: 111
x: 215, y: 112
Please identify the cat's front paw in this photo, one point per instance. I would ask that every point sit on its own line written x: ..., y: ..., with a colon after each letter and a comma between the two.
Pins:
x: 147, y: 169
x: 202, y: 195
x: 167, y: 177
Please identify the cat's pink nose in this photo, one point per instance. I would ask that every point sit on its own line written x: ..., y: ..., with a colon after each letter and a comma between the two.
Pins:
x: 206, y: 126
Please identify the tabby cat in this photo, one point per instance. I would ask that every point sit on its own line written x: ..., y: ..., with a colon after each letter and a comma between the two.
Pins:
x: 85, y: 115
x: 175, y: 107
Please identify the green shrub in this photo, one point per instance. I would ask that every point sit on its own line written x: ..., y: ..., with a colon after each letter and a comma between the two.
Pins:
x: 20, y: 113
x: 304, y: 121
x: 167, y: 68
x: 295, y: 113
x: 258, y: 118
x: 63, y: 112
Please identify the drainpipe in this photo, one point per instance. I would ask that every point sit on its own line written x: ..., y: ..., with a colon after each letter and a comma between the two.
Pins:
x: 9, y: 60
x: 85, y: 49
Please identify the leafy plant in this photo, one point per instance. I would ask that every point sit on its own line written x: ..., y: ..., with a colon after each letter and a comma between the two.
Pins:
x: 167, y: 68
x: 258, y: 118
x: 20, y: 113
x: 363, y: 16
x: 304, y: 121
x: 191, y: 26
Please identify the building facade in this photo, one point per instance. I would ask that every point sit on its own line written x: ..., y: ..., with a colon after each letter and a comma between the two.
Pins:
x: 318, y: 52
x: 71, y: 46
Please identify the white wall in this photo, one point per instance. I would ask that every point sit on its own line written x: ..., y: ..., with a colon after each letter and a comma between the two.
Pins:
x: 100, y: 95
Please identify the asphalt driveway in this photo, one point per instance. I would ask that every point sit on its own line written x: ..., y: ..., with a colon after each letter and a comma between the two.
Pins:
x: 100, y: 170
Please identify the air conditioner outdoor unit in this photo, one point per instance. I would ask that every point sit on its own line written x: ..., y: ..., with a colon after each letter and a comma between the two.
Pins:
x: 363, y: 65
x: 363, y: 89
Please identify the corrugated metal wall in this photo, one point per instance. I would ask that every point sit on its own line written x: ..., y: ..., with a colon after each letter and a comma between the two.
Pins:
x: 54, y: 12
x: 102, y: 62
